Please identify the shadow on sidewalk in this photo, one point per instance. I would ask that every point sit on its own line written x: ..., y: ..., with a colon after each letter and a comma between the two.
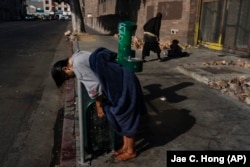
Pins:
x: 166, y: 58
x: 170, y: 92
x: 160, y: 129
x: 163, y: 124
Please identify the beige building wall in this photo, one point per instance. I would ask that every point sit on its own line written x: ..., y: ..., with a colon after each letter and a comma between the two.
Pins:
x: 178, y: 20
x: 174, y: 21
x: 50, y: 6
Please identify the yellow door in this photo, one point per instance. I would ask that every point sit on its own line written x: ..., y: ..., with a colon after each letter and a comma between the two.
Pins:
x: 211, y: 23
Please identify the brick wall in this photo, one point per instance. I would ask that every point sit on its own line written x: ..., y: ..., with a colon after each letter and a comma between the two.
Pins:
x: 178, y: 15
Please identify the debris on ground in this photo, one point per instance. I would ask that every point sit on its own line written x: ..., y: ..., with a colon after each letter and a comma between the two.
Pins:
x: 238, y: 63
x: 67, y: 33
x: 238, y: 88
x: 137, y: 43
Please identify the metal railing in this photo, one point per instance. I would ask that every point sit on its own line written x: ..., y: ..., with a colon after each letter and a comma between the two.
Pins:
x: 82, y: 155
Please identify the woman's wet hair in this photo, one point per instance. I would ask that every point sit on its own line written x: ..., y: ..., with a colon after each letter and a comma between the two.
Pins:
x: 57, y: 72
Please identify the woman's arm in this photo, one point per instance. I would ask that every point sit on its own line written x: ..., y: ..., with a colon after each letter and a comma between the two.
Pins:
x: 99, y: 108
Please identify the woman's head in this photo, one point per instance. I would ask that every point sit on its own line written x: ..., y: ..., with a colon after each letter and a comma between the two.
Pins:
x: 61, y: 71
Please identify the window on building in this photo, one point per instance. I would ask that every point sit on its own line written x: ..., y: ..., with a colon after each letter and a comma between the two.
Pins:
x: 46, y: 2
x: 47, y: 8
x: 101, y: 1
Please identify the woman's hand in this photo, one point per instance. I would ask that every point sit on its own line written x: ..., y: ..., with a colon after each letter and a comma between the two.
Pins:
x: 100, y: 112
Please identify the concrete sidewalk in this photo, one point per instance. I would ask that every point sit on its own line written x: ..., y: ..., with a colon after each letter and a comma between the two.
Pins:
x: 184, y: 113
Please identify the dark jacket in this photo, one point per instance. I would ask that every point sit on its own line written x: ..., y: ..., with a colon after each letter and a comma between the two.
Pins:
x: 153, y: 25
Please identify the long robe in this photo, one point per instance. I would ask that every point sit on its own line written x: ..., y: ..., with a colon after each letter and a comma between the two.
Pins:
x: 122, y: 89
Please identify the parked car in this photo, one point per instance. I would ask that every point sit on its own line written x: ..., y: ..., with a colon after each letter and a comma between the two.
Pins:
x: 47, y: 18
x: 61, y: 17
x: 29, y: 17
x: 67, y: 17
x: 64, y: 17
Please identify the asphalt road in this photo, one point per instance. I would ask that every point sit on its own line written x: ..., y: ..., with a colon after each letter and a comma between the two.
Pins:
x: 29, y: 100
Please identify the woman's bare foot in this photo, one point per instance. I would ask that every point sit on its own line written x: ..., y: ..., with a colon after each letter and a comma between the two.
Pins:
x: 127, y: 151
x: 120, y: 151
x: 125, y: 156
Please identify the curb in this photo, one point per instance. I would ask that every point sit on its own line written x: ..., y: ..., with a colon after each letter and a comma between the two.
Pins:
x: 194, y: 75
x: 68, y: 145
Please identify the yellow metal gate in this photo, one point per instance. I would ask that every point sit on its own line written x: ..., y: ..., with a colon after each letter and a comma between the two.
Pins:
x: 225, y: 24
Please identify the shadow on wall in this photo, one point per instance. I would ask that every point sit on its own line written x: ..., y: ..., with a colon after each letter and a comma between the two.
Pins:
x: 124, y: 11
x: 110, y: 22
